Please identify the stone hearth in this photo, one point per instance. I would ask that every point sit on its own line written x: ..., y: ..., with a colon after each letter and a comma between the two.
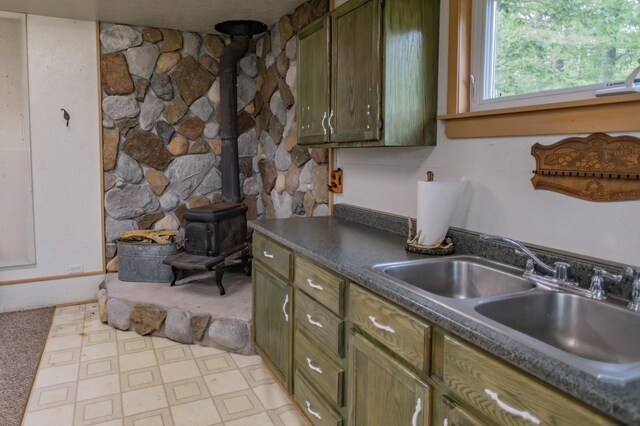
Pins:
x: 191, y: 312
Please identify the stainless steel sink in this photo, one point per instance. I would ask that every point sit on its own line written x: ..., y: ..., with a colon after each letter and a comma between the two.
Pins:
x: 571, y: 323
x: 597, y: 337
x: 457, y: 277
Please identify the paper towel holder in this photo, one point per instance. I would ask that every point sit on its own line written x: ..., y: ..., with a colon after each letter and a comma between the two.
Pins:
x: 443, y: 248
x: 412, y: 245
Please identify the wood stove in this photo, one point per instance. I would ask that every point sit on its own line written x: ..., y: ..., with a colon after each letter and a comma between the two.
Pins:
x: 215, y: 233
x: 212, y: 235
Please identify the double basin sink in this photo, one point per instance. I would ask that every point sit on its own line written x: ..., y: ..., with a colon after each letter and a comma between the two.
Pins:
x: 599, y: 338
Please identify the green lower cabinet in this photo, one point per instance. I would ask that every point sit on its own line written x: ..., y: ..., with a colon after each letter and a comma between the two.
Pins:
x: 447, y: 412
x: 317, y: 410
x: 272, y: 313
x: 382, y: 391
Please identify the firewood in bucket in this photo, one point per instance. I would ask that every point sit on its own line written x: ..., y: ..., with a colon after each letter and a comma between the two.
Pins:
x: 148, y: 236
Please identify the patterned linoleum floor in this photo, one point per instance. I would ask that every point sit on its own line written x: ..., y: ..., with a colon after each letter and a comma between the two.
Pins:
x: 91, y: 374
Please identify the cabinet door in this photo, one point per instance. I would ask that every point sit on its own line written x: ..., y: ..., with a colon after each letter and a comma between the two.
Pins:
x: 313, y: 83
x: 447, y: 412
x: 381, y: 390
x: 272, y: 321
x: 355, y: 71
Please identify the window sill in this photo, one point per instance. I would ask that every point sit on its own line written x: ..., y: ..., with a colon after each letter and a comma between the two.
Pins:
x: 606, y: 114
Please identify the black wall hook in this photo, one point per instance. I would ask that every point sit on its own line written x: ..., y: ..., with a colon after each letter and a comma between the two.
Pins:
x: 65, y: 115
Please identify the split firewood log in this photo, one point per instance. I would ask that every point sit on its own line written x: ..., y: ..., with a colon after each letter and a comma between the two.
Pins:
x: 149, y: 236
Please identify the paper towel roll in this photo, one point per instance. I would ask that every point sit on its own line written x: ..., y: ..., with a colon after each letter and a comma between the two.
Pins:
x: 437, y: 202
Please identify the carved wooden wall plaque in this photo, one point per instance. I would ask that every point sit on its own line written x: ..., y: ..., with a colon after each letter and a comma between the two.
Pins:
x: 598, y: 167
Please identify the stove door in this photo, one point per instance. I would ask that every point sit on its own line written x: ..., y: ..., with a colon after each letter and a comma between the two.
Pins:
x: 198, y: 238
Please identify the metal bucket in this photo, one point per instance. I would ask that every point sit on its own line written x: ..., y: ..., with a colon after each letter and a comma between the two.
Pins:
x: 142, y: 262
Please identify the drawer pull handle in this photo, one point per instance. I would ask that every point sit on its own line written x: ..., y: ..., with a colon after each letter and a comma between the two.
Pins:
x: 284, y: 308
x: 313, y: 413
x: 383, y: 327
x: 416, y: 413
x: 313, y: 367
x: 312, y: 322
x: 314, y: 285
x: 509, y: 409
x: 267, y: 254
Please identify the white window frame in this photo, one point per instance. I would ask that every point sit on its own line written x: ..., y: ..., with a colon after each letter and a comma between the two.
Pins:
x: 482, y: 17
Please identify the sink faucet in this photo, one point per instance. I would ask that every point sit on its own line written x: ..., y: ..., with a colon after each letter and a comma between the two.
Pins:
x: 560, y: 270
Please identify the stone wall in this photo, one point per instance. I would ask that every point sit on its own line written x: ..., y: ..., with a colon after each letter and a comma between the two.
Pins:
x: 161, y: 150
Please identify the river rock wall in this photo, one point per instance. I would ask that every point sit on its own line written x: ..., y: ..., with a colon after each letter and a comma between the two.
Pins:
x: 161, y: 115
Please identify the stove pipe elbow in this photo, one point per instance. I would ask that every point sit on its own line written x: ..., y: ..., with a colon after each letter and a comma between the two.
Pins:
x: 233, y: 52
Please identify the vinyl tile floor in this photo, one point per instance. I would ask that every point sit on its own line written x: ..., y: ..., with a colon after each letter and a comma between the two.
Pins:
x: 92, y: 374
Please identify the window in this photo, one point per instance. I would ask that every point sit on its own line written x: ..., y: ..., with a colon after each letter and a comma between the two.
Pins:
x: 542, y: 116
x: 528, y: 52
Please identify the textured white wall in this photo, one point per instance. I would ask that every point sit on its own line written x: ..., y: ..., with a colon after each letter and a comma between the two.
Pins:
x: 499, y: 197
x: 66, y: 164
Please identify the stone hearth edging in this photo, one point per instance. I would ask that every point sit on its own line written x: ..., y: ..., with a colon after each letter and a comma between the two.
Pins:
x: 230, y: 334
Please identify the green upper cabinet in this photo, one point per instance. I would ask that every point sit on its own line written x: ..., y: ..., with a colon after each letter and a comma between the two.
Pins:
x: 367, y: 75
x: 355, y: 72
x: 313, y: 89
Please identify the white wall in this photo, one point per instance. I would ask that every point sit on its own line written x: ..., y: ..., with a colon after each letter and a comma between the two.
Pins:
x: 62, y: 63
x: 499, y: 197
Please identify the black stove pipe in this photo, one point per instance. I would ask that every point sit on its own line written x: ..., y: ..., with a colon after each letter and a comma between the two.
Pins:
x: 229, y: 117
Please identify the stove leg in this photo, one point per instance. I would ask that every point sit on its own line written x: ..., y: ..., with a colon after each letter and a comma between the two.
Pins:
x: 219, y: 274
x: 177, y: 275
x: 245, y: 258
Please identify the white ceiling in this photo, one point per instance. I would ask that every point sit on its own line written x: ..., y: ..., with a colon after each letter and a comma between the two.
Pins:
x: 188, y: 15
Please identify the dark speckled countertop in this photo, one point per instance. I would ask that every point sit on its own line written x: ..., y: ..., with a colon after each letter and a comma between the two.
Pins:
x: 347, y: 247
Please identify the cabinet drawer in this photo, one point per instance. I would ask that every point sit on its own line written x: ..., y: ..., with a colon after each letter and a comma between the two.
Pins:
x: 326, y: 329
x: 506, y: 395
x: 403, y: 334
x: 325, y: 374
x: 275, y: 256
x: 324, y: 286
x: 312, y: 404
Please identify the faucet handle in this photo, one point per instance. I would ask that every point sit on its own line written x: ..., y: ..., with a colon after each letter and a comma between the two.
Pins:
x: 634, y: 304
x: 561, y: 271
x: 530, y: 267
x: 597, y: 287
x: 616, y: 278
